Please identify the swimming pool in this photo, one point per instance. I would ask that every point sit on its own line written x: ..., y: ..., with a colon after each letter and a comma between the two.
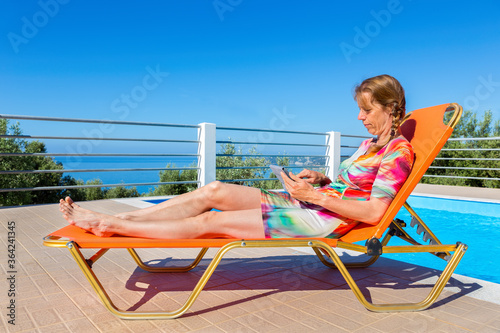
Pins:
x: 474, y: 223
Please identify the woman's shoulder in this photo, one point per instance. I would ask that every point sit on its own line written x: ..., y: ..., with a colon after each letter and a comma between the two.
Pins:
x: 399, y: 144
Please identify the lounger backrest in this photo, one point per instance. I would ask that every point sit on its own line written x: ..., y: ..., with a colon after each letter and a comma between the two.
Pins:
x: 425, y: 129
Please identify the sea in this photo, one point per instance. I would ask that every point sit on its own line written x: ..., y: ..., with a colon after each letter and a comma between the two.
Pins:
x: 116, y: 177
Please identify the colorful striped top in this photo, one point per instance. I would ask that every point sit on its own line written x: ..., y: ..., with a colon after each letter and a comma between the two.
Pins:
x: 375, y: 175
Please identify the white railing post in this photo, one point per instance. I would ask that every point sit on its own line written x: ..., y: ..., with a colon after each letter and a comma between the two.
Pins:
x: 332, y: 154
x: 206, y: 150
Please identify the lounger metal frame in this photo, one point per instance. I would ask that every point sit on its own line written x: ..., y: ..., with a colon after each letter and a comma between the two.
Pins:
x: 68, y: 237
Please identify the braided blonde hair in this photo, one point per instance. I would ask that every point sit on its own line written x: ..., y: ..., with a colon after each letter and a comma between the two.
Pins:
x: 387, y: 91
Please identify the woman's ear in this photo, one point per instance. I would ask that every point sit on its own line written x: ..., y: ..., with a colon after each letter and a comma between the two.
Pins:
x: 389, y: 109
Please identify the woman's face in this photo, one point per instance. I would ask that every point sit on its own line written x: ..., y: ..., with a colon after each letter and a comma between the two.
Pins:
x: 375, y: 117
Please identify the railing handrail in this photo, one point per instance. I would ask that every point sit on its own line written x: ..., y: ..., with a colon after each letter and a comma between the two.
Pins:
x: 100, y: 154
x: 466, y: 159
x: 51, y: 188
x: 463, y: 168
x: 224, y: 128
x: 268, y: 155
x: 270, y: 143
x: 471, y: 148
x: 462, y: 177
x: 95, y: 121
x: 97, y: 138
x: 11, y: 172
x: 123, y: 122
x: 267, y: 167
x: 247, y: 180
x: 475, y: 139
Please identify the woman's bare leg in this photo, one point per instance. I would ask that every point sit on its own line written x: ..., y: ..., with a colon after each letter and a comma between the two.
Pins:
x: 218, y: 195
x: 237, y: 224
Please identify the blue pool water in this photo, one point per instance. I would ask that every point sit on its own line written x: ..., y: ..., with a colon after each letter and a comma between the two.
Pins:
x: 474, y: 223
x: 155, y: 201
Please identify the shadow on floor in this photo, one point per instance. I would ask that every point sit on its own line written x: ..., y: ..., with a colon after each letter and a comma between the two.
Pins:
x: 277, y: 274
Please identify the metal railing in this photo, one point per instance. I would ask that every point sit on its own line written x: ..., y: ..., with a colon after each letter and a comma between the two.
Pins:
x: 269, y: 145
x: 324, y: 156
x: 85, y: 154
x: 314, y: 150
x: 474, y: 152
x: 204, y: 153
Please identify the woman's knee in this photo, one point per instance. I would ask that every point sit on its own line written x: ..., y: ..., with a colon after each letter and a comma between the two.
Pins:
x: 208, y: 217
x: 213, y: 190
x: 215, y: 185
x: 207, y: 222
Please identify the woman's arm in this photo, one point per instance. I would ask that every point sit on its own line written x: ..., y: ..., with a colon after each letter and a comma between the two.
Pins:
x: 370, y: 211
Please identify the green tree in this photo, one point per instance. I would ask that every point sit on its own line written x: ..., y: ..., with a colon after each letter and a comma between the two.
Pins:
x: 31, y: 178
x: 478, y: 156
x: 29, y: 164
x: 121, y: 192
x: 175, y: 176
x: 100, y: 193
x: 93, y: 193
x: 251, y: 167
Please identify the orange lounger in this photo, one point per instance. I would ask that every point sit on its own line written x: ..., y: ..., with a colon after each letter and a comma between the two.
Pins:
x: 424, y: 128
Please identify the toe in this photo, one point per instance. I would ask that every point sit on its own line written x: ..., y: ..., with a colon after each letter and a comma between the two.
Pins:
x: 69, y: 201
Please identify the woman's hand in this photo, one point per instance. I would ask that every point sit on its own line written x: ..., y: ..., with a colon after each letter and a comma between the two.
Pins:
x: 299, y: 188
x: 314, y: 177
x: 370, y: 211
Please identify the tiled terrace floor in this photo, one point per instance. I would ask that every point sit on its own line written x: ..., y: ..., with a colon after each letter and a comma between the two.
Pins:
x: 264, y: 290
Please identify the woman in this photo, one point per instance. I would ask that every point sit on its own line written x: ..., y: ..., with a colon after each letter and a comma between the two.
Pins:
x: 366, y: 185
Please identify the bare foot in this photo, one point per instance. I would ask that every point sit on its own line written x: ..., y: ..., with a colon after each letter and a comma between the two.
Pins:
x: 97, y: 223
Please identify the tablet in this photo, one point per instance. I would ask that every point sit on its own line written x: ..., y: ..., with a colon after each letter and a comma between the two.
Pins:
x: 277, y: 170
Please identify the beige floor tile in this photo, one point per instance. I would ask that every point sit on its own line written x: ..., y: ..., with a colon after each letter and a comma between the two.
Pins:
x: 234, y: 326
x: 45, y: 317
x: 170, y: 326
x: 57, y: 328
x: 253, y: 290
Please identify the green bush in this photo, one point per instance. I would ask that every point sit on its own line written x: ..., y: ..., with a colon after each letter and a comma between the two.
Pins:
x: 26, y: 163
x: 469, y: 127
x: 175, y: 176
x: 31, y: 179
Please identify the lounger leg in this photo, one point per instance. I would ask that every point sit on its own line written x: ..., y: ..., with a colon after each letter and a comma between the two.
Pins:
x: 431, y: 298
x: 96, y: 284
x: 154, y: 269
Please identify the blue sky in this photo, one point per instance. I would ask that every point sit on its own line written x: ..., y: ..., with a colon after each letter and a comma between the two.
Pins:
x: 240, y: 62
